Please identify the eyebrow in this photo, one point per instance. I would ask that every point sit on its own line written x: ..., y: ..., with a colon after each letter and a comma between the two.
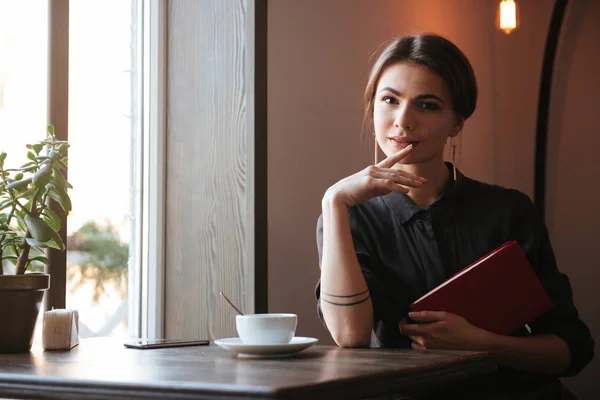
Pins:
x: 424, y: 96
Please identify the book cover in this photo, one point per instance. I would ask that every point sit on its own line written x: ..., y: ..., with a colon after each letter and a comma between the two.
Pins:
x: 500, y: 292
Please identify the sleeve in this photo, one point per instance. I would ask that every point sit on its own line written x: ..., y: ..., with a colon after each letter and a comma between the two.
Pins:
x: 563, y: 319
x: 385, y: 304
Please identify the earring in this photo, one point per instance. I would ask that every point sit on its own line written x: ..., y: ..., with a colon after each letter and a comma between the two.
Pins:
x: 453, y: 144
x: 376, y: 150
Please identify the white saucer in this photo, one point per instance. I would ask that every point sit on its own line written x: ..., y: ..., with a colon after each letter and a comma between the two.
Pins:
x: 235, y: 345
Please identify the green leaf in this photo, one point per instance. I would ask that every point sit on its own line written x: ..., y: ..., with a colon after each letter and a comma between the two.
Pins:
x: 30, y: 155
x: 28, y: 168
x: 57, y: 243
x: 43, y: 233
x: 63, y: 201
x: 42, y: 158
x: 10, y: 258
x: 50, y: 243
x: 35, y: 243
x: 27, y: 164
x: 42, y: 177
x: 38, y: 228
x: 62, y: 198
x: 18, y: 185
x: 41, y: 259
x: 52, y: 219
x: 63, y: 148
x: 6, y: 203
x: 18, y: 176
x: 60, y: 181
x: 37, y: 148
x: 2, y: 157
x: 51, y: 129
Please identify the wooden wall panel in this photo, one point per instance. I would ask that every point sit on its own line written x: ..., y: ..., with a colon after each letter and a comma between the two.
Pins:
x: 209, y: 199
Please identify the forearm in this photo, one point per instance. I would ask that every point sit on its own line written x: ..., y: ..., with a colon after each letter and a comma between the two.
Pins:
x: 350, y: 324
x: 544, y: 353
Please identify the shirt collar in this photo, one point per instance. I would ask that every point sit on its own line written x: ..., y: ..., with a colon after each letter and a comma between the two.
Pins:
x: 405, y: 209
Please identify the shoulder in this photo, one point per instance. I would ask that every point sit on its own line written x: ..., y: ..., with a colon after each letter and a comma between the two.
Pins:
x: 508, y: 214
x: 486, y: 196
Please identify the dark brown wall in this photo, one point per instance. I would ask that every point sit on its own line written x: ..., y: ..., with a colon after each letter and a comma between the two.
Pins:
x: 318, y: 61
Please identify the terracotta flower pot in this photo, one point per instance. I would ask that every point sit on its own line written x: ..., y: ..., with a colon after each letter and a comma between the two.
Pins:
x: 20, y: 301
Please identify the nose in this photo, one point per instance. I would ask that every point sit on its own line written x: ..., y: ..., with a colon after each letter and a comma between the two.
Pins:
x: 404, y: 118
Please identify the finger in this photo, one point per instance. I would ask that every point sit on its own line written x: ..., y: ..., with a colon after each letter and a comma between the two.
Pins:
x: 418, y: 347
x: 428, y: 316
x: 394, y: 158
x: 381, y: 186
x: 399, y: 178
x: 393, y: 186
x: 410, y: 329
x: 402, y: 172
x: 420, y: 340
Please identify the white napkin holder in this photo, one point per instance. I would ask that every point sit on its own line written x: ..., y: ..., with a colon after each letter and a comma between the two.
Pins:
x: 60, y: 329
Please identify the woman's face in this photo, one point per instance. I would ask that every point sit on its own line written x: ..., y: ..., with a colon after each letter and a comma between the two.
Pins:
x: 412, y: 106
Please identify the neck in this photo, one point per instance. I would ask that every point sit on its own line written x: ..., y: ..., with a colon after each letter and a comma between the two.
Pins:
x: 437, y: 177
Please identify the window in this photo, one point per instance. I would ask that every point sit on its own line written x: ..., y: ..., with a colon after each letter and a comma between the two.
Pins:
x: 23, y: 77
x: 103, y: 63
x: 116, y: 130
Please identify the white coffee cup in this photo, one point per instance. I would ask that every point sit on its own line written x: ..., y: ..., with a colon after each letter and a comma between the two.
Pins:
x: 260, y: 329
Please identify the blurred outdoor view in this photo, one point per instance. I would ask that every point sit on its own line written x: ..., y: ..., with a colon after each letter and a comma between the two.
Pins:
x: 101, y: 128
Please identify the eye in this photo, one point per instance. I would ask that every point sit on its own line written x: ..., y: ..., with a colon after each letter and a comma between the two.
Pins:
x: 390, y: 100
x: 429, y: 106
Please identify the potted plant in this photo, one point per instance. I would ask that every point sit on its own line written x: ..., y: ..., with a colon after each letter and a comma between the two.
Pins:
x: 28, y: 226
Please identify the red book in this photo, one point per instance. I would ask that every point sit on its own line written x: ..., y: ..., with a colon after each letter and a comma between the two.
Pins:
x: 500, y: 292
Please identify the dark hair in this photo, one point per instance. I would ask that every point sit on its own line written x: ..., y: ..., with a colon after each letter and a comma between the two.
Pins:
x: 439, y: 55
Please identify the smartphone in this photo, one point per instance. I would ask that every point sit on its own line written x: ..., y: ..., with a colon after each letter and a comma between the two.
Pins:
x: 162, y: 343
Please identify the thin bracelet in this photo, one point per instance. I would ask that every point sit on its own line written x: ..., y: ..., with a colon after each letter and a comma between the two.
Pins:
x: 346, y: 296
x: 347, y: 304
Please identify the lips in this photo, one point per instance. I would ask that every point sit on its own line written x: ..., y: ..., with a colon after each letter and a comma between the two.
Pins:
x: 402, y: 142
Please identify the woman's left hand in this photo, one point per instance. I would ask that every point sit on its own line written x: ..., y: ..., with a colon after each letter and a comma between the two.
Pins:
x: 442, y: 330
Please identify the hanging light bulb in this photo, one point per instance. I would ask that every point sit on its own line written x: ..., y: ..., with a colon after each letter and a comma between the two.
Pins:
x: 508, y: 18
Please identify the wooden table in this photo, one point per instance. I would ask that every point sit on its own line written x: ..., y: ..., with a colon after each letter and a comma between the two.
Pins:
x: 104, y: 369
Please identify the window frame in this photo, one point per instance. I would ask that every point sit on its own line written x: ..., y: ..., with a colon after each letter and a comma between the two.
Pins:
x: 147, y: 259
x: 154, y: 164
x: 58, y: 115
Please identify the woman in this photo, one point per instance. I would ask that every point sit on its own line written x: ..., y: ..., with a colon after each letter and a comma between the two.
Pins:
x: 395, y: 230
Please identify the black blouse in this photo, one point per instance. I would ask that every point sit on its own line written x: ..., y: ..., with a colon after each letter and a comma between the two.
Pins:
x: 405, y: 251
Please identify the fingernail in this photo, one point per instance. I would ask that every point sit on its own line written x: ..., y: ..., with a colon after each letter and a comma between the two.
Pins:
x: 410, y: 146
x: 423, y: 179
x: 413, y: 314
